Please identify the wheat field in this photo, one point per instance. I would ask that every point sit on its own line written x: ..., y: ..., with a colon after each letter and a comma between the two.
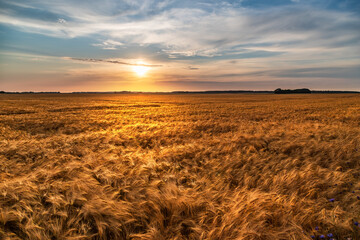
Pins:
x: 179, y: 166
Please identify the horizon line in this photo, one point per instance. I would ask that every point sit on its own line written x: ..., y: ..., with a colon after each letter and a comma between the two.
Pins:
x: 172, y: 92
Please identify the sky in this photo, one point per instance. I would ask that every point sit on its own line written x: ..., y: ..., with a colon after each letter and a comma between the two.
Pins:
x: 179, y: 45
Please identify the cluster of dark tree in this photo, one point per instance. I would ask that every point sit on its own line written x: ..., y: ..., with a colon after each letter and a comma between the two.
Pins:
x: 288, y: 91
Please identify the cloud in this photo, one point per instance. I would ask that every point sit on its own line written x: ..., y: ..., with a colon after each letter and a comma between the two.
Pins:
x: 348, y: 72
x: 93, y: 60
x: 109, y: 44
x: 345, y: 73
x: 184, y: 30
x: 192, y: 68
x: 61, y: 20
x: 191, y: 85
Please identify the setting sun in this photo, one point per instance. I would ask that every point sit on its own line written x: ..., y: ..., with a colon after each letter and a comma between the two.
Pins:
x: 140, y: 69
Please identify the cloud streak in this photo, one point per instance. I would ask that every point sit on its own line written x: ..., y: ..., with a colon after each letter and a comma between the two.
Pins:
x: 191, y: 30
x: 93, y: 60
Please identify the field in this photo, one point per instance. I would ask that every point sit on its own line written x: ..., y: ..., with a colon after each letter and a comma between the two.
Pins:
x: 152, y: 166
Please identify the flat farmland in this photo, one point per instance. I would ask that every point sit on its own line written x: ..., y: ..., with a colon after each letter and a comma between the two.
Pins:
x: 179, y: 166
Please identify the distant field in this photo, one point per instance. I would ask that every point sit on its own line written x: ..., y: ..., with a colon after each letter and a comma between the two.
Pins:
x: 222, y: 166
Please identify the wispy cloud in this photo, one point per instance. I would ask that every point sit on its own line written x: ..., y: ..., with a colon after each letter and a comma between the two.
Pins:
x: 93, y: 60
x: 109, y: 44
x: 62, y: 21
x: 192, y: 68
x: 191, y: 29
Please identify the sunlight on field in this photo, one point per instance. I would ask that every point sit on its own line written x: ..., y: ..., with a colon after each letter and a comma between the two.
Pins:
x: 186, y: 166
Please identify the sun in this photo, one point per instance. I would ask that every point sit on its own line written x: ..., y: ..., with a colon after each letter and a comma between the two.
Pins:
x: 140, y: 69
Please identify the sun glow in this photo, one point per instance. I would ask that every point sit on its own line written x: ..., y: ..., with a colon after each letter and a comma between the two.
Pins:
x: 140, y: 69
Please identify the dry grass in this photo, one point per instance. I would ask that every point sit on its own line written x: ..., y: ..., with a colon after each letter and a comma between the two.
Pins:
x: 179, y: 166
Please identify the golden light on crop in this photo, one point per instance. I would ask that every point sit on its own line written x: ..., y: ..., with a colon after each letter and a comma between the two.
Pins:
x: 140, y: 69
x: 152, y: 143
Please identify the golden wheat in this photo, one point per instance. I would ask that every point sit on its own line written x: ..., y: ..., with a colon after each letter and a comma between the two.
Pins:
x: 137, y: 166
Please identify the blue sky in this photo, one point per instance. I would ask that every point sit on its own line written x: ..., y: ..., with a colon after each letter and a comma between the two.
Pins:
x: 179, y: 45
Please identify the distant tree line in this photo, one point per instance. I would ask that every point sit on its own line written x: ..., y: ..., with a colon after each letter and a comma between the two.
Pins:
x: 219, y: 92
x: 30, y: 92
x: 288, y: 91
x: 327, y: 91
